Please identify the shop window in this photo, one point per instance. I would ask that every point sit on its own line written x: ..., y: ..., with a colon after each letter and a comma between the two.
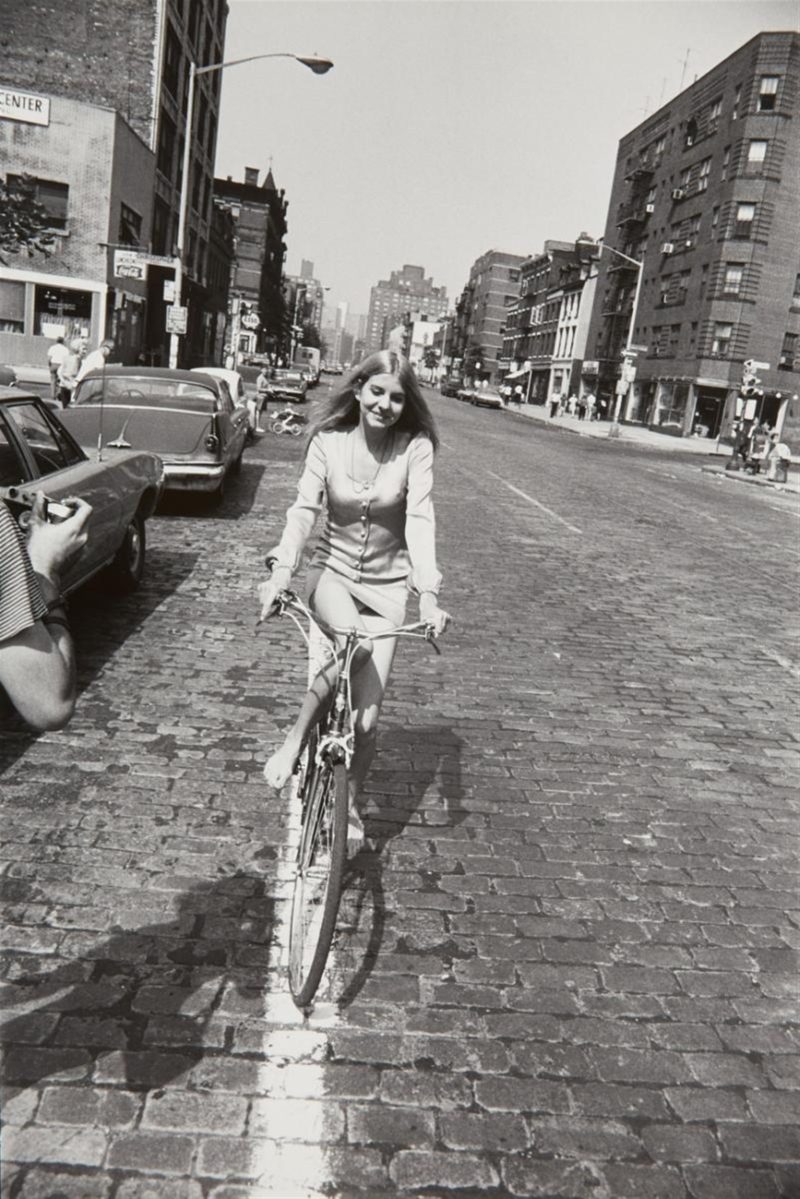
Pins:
x: 768, y: 93
x: 12, y: 306
x: 732, y: 280
x: 721, y: 341
x: 53, y: 197
x: 62, y: 312
x: 786, y: 362
x: 130, y: 226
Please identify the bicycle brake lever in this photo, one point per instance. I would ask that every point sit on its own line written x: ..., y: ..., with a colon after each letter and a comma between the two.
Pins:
x: 430, y: 637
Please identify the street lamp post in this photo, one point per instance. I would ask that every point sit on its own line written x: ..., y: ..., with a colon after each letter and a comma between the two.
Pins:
x: 318, y: 65
x: 628, y: 355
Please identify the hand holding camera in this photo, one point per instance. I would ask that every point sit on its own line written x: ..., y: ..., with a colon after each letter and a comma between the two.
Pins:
x: 57, y: 533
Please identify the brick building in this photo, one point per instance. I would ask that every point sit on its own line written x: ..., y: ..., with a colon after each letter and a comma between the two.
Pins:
x: 259, y: 215
x: 404, y: 291
x: 133, y: 58
x: 705, y: 195
x: 481, y: 314
x: 94, y: 176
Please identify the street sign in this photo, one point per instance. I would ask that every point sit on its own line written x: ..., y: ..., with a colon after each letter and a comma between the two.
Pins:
x: 250, y: 321
x: 621, y: 387
x: 157, y: 260
x: 628, y: 372
x: 169, y: 291
x: 758, y: 366
x: 129, y: 264
x: 640, y: 349
x: 176, y: 319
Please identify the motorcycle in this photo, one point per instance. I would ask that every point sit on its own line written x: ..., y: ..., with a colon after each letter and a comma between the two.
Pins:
x: 288, y: 421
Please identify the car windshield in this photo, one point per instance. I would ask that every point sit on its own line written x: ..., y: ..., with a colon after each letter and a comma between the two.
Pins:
x: 147, y: 392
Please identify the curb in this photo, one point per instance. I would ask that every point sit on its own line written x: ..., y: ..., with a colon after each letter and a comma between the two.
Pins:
x: 739, y: 476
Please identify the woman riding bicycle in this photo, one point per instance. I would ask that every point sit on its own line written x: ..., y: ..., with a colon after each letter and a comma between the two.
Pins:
x: 370, y: 459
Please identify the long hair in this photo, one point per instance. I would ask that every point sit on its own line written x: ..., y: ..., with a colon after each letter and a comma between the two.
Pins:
x: 341, y: 411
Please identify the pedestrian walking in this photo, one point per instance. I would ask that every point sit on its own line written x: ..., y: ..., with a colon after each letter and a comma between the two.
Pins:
x: 369, y: 459
x: 582, y: 408
x: 55, y: 356
x: 591, y: 405
x: 68, y: 372
x: 97, y: 359
x: 262, y: 396
x: 554, y: 403
x: 572, y: 405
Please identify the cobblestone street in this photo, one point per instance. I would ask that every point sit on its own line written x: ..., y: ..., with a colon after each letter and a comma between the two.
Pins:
x: 566, y: 964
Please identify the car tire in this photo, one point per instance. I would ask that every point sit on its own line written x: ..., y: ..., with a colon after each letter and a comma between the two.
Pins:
x: 127, y: 568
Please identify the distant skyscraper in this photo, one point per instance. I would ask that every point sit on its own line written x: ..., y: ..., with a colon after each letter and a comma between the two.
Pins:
x: 404, y: 291
x: 306, y: 269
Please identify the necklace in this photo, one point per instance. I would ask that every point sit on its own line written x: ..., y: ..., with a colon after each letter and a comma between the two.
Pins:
x: 362, y: 485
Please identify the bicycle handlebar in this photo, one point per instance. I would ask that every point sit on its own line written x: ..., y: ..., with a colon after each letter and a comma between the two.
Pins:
x: 288, y: 601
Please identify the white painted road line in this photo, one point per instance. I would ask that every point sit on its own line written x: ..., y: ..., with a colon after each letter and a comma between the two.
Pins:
x: 536, y: 503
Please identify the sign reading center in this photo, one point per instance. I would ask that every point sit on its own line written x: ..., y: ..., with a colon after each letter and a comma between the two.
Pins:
x: 23, y: 106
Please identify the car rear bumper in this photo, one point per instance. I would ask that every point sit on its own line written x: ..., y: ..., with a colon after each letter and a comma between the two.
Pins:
x: 178, y: 477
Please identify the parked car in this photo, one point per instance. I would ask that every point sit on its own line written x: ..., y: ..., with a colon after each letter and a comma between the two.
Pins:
x: 188, y: 418
x: 37, y: 453
x: 486, y: 397
x: 464, y: 394
x: 449, y: 387
x: 288, y: 384
x: 243, y: 397
x: 8, y: 376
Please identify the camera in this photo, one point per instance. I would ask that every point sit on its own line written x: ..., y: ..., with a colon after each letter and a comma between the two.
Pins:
x: 21, y: 502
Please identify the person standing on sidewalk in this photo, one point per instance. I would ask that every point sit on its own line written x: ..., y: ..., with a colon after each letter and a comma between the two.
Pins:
x: 55, y: 356
x: 369, y: 459
x: 68, y: 373
x: 97, y: 359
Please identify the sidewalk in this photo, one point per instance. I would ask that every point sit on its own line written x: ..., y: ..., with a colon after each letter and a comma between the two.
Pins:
x: 706, y: 447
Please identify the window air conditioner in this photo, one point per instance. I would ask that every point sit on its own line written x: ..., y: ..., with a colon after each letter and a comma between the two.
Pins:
x: 668, y: 247
x: 649, y: 208
x: 678, y: 193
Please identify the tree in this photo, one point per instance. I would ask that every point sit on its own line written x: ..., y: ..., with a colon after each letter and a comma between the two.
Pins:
x: 24, y: 222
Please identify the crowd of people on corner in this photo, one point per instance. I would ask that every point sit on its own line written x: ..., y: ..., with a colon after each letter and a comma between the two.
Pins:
x: 69, y: 362
x: 582, y: 407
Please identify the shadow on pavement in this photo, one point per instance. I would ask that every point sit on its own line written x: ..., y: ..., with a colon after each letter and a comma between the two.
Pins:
x: 420, y: 758
x: 143, y: 999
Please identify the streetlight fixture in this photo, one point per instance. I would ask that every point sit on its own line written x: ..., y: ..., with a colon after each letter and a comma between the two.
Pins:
x: 319, y: 66
x: 628, y: 353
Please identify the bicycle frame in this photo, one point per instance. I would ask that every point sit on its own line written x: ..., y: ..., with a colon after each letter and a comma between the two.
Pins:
x: 336, y: 742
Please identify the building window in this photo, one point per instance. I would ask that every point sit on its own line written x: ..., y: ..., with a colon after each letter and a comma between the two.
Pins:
x: 786, y: 362
x: 732, y: 280
x: 130, y: 226
x: 53, y: 197
x: 721, y: 343
x: 62, y: 312
x: 745, y: 215
x: 714, y: 115
x: 737, y: 99
x: 705, y: 171
x: 12, y: 306
x: 166, y: 145
x: 768, y: 93
x: 172, y: 62
x: 714, y: 220
x: 796, y: 295
x: 756, y: 153
x: 726, y: 158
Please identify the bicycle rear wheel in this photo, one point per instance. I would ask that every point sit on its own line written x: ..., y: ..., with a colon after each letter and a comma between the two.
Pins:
x: 320, y: 865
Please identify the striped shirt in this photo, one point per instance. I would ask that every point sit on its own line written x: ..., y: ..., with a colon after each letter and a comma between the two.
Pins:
x: 21, y: 599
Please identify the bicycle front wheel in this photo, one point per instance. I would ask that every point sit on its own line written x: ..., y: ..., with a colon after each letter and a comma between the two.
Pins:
x: 319, y: 870
x: 276, y: 426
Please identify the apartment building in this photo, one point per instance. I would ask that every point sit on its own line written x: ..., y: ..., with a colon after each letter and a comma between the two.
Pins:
x: 481, y: 315
x: 133, y: 60
x: 406, y: 290
x: 256, y: 298
x: 705, y: 197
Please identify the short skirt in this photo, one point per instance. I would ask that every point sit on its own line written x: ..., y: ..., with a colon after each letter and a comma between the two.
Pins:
x: 387, y: 599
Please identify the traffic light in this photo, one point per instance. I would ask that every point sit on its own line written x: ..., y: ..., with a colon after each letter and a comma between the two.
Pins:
x: 751, y: 384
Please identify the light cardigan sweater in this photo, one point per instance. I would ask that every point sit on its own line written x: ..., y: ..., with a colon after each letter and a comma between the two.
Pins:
x: 381, y: 534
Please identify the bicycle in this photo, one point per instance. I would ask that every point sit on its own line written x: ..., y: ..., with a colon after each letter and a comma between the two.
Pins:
x: 321, y: 778
x: 288, y: 421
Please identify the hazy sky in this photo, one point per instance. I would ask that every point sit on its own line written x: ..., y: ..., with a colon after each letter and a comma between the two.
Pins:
x: 452, y: 127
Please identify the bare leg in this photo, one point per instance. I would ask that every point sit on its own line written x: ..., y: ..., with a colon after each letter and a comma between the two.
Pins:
x: 369, y: 687
x: 333, y: 602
